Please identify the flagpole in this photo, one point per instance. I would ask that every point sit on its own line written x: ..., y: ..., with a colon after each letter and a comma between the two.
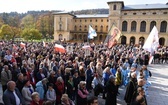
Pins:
x: 108, y: 34
x: 87, y: 35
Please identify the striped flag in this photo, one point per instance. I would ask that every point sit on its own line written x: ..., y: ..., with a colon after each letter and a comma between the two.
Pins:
x: 59, y: 48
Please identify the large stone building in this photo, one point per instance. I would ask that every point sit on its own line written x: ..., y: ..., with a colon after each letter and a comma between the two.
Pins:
x: 134, y: 21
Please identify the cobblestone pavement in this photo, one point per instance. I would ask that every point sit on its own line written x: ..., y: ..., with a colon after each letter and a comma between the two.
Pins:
x: 158, y: 92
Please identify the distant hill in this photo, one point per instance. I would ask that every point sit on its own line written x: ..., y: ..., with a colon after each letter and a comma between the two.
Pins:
x: 92, y: 11
x: 37, y: 13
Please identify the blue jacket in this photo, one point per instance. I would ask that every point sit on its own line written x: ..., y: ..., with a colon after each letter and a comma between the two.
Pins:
x: 9, y: 98
x: 89, y: 75
x: 40, y: 89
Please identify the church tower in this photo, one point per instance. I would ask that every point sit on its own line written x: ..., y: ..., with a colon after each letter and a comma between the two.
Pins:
x: 115, y: 8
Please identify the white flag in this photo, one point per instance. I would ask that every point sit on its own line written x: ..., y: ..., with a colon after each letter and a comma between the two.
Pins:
x: 44, y: 44
x: 92, y: 33
x: 152, y: 41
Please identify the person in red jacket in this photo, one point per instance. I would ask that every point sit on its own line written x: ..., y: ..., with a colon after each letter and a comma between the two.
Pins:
x: 36, y: 99
x: 59, y: 90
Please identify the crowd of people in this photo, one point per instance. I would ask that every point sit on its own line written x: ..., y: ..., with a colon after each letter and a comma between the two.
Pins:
x: 39, y: 75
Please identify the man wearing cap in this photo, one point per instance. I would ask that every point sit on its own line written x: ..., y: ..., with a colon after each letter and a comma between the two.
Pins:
x: 111, y: 88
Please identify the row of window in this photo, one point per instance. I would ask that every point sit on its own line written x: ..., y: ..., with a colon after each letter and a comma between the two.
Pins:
x: 141, y: 40
x: 96, y: 20
x: 163, y: 26
x: 84, y: 37
x: 144, y: 13
x: 85, y: 28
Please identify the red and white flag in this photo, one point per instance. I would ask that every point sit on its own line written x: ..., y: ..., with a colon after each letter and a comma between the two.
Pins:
x: 15, y: 47
x: 59, y: 48
x: 23, y: 45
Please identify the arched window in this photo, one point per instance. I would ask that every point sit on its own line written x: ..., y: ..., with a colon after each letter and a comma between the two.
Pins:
x: 85, y: 28
x: 101, y: 28
x: 143, y: 26
x: 124, y: 26
x: 75, y: 37
x: 96, y: 27
x: 152, y: 24
x: 114, y: 7
x: 107, y: 28
x: 80, y: 28
x: 100, y: 37
x: 75, y: 28
x: 163, y: 26
x: 133, y: 26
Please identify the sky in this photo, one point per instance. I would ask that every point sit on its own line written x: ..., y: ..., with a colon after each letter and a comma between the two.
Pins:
x: 22, y: 6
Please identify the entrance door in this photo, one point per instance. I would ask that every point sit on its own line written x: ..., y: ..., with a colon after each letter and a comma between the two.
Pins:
x: 132, y: 40
x: 162, y: 41
x: 60, y: 37
x: 123, y: 39
x: 141, y: 41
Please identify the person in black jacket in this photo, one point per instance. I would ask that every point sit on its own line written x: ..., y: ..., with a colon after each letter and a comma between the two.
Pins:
x: 71, y: 88
x: 19, y: 82
x: 131, y: 87
x: 111, y: 91
x: 12, y: 95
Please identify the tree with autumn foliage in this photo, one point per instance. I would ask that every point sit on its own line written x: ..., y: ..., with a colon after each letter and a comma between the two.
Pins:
x: 45, y: 25
x: 28, y: 22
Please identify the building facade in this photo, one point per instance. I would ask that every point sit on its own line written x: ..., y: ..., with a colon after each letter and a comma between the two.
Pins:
x: 134, y: 21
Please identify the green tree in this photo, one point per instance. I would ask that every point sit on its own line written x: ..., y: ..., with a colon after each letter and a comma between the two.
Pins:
x: 31, y: 34
x: 14, y: 21
x: 28, y: 22
x: 5, y: 17
x: 6, y: 32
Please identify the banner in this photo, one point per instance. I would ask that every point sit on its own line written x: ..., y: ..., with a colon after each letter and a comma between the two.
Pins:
x: 69, y: 49
x: 112, y: 36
